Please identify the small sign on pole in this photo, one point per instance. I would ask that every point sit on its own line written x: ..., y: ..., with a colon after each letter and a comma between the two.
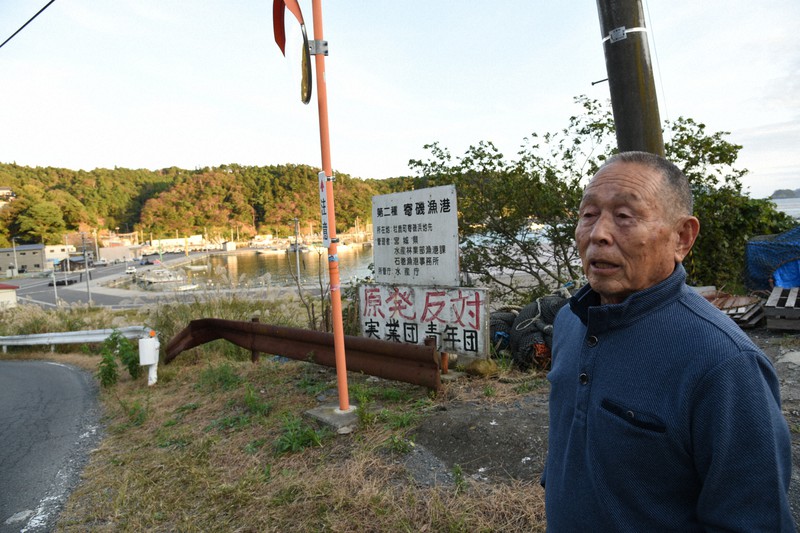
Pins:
x: 323, y: 208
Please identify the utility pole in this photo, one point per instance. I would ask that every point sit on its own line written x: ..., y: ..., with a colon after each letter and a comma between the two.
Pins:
x: 297, y: 246
x: 55, y: 289
x: 14, y: 247
x: 86, y: 267
x: 630, y: 76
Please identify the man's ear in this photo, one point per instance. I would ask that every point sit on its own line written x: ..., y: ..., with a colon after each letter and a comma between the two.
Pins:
x: 687, y: 229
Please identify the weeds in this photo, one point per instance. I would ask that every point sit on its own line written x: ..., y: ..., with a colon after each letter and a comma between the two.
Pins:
x: 218, y: 378
x: 232, y: 422
x: 399, y: 445
x: 135, y: 412
x: 254, y: 446
x: 365, y: 412
x: 107, y: 371
x: 312, y: 385
x: 529, y: 386
x: 187, y: 408
x: 166, y: 440
x: 254, y: 404
x: 459, y: 479
x: 117, y: 346
x: 400, y: 420
x: 393, y: 394
x: 297, y: 436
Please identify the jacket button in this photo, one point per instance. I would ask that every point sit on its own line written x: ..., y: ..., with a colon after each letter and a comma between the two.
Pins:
x: 591, y: 341
x: 583, y: 378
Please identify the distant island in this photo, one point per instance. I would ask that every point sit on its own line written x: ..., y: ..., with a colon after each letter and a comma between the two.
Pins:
x: 785, y: 193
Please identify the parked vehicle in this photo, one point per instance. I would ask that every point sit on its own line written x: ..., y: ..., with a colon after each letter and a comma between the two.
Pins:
x: 59, y: 282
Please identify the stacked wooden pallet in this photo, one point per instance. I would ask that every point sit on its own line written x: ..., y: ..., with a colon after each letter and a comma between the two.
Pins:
x: 783, y: 309
x: 746, y: 311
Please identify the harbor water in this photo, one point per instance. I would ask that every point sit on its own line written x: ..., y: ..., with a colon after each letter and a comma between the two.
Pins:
x: 790, y: 206
x: 257, y: 268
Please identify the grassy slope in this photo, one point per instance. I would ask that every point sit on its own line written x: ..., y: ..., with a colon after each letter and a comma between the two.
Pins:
x: 209, y: 449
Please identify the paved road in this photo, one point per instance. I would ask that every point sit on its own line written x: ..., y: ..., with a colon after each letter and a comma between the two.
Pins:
x: 38, y: 291
x: 49, y: 421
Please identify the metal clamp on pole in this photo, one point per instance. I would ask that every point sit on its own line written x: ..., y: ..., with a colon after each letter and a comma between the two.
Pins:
x: 621, y: 33
x: 316, y: 47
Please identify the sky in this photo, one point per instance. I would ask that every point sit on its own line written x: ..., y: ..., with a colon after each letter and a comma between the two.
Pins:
x: 160, y: 83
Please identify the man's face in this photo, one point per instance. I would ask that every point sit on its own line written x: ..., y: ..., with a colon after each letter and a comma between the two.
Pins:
x: 626, y: 240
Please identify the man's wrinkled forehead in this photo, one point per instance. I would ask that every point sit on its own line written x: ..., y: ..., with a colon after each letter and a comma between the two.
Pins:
x: 623, y: 183
x: 619, y: 197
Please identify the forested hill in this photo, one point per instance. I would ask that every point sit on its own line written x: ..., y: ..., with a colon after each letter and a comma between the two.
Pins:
x: 51, y: 201
x: 786, y: 193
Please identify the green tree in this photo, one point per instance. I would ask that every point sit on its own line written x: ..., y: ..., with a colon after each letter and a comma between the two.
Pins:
x: 41, y: 222
x: 517, y: 217
x: 728, y: 216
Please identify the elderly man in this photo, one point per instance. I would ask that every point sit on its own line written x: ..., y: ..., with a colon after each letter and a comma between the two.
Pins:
x: 664, y: 416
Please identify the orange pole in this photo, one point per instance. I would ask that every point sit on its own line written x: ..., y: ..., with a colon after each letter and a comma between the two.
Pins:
x: 333, y: 258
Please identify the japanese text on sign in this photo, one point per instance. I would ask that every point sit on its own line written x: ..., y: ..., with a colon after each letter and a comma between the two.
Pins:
x: 415, y: 237
x: 323, y: 208
x: 455, y: 316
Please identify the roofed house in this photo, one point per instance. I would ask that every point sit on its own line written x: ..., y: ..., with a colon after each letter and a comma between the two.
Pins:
x: 8, y: 296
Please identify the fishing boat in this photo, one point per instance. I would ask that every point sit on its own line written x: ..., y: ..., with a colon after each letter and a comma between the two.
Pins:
x: 269, y: 251
x: 160, y: 275
x: 294, y: 247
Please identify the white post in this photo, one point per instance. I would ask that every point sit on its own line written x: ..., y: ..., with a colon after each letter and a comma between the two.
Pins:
x: 148, y: 356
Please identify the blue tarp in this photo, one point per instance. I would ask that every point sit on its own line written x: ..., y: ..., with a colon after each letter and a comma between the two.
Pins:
x: 773, y: 260
x: 788, y: 275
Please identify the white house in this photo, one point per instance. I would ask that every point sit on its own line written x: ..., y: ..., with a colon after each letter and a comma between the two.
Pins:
x: 8, y: 296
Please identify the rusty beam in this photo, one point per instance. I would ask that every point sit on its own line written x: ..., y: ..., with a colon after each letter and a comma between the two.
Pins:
x: 410, y: 363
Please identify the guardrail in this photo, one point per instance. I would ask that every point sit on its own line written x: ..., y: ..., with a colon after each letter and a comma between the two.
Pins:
x: 410, y: 363
x: 73, y: 337
x: 148, y: 342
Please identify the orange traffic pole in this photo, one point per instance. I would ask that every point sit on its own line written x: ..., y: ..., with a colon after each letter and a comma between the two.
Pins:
x: 333, y: 258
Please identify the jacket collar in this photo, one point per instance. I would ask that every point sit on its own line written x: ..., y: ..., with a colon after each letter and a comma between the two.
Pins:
x: 597, y: 318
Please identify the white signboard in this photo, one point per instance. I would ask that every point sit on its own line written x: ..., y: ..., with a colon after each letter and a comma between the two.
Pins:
x: 457, y: 317
x: 323, y: 207
x: 415, y: 237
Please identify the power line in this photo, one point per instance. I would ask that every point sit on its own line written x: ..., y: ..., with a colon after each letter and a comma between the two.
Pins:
x: 29, y: 21
x: 663, y: 98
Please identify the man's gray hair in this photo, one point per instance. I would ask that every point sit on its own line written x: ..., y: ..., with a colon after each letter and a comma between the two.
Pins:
x: 679, y: 192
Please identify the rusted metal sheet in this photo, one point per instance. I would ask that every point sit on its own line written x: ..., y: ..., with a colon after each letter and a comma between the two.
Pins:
x: 409, y: 363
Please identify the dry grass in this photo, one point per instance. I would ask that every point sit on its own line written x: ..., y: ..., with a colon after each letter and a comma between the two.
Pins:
x: 200, y: 450
x: 197, y: 452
